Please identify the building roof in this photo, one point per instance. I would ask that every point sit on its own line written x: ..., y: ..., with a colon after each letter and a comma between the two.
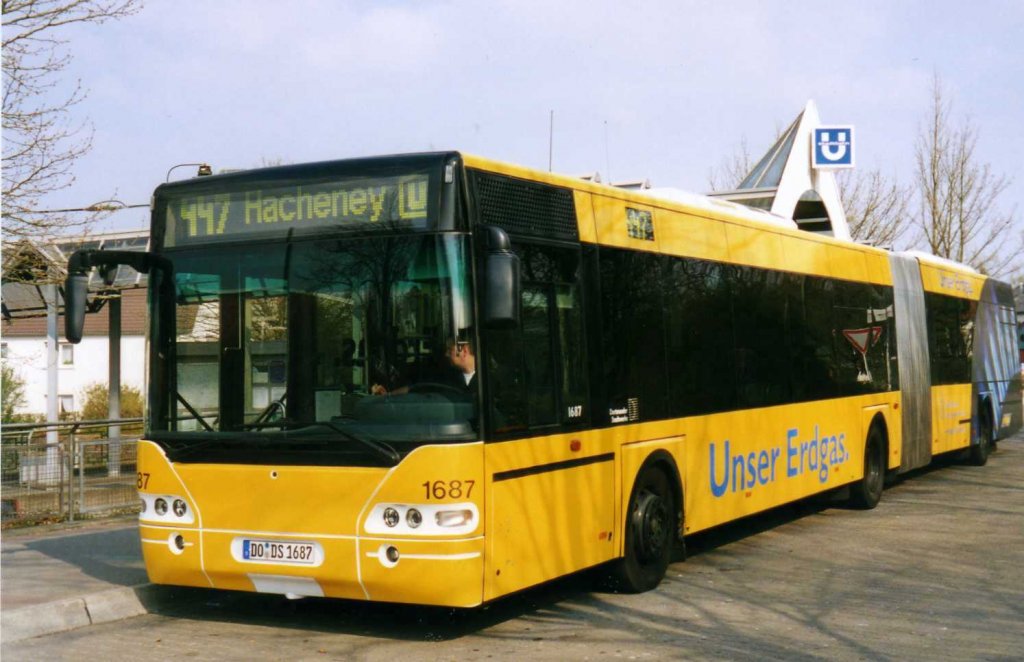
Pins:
x: 134, y: 319
x: 29, y: 265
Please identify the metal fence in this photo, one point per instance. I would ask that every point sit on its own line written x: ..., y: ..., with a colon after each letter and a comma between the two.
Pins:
x: 62, y: 471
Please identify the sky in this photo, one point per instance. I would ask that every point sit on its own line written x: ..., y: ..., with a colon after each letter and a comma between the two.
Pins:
x: 658, y: 90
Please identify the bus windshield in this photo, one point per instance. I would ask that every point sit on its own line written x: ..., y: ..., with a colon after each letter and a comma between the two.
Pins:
x: 335, y: 336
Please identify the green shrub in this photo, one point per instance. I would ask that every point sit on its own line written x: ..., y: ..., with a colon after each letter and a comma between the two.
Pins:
x: 12, y: 395
x: 95, y: 402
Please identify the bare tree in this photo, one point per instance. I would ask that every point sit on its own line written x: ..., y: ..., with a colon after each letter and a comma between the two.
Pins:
x: 732, y: 170
x: 876, y: 207
x: 959, y: 213
x: 41, y: 139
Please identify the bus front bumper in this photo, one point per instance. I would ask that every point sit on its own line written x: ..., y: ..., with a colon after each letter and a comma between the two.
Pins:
x: 446, y: 572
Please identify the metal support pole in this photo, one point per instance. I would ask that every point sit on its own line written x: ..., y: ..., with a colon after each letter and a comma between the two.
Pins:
x: 114, y: 373
x: 50, y: 473
x: 73, y: 454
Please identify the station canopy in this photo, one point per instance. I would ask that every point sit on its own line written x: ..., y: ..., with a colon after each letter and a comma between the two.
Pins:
x: 784, y: 183
x: 29, y: 266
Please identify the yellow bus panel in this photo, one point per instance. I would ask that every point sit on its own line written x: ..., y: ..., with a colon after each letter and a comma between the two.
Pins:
x: 547, y: 524
x: 754, y: 246
x: 165, y: 563
x: 550, y: 509
x: 951, y: 281
x: 685, y: 235
x: 951, y: 417
x: 759, y: 459
x: 878, y: 268
x: 585, y: 216
x: 847, y: 264
x: 611, y: 217
x: 340, y: 520
x: 806, y: 256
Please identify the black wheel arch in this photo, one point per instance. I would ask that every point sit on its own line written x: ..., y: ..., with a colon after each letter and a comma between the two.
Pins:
x: 878, y: 423
x: 986, y: 412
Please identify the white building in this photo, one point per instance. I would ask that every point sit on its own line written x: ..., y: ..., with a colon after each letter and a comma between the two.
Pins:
x: 23, y: 346
x: 23, y: 332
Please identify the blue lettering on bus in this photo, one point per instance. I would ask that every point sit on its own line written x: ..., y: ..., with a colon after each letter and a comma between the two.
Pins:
x: 816, y: 454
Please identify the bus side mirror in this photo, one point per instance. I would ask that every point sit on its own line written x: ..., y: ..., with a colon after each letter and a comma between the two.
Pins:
x: 501, y: 296
x: 76, y: 288
x: 76, y: 285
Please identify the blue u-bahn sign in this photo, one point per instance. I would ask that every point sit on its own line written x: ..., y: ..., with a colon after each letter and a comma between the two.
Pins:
x: 833, y: 147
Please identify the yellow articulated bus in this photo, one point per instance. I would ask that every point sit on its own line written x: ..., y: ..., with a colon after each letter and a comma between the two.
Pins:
x: 440, y: 379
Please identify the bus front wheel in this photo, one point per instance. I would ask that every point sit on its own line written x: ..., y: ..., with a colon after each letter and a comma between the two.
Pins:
x: 650, y: 532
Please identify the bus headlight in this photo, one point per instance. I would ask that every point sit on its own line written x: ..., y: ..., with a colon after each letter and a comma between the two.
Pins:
x: 413, y: 518
x: 423, y: 519
x: 453, y: 518
x: 165, y: 509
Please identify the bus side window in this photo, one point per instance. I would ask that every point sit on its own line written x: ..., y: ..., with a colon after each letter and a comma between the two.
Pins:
x: 633, y: 329
x: 950, y: 338
x: 760, y: 318
x: 699, y: 337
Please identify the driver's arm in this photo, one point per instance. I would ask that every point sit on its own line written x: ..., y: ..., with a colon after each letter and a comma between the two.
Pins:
x: 380, y: 389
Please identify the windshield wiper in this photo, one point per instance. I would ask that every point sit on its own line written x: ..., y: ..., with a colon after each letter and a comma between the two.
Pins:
x: 262, y: 440
x: 378, y: 447
x: 249, y: 439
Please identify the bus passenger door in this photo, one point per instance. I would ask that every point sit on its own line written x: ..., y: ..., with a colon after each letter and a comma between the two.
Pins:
x: 550, y: 506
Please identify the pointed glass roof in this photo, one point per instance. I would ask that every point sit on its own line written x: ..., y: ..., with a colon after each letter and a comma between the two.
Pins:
x: 768, y: 171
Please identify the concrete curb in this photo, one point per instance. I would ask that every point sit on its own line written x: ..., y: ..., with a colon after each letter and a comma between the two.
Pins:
x: 72, y: 613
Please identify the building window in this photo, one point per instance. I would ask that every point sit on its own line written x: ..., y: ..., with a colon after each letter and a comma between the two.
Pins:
x: 67, y: 354
x: 3, y: 350
x: 66, y: 403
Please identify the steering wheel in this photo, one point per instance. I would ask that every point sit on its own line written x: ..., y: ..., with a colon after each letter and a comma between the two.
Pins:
x: 264, y: 420
x: 435, y: 387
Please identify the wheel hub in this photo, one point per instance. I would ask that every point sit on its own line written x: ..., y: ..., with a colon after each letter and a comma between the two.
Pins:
x: 652, y: 526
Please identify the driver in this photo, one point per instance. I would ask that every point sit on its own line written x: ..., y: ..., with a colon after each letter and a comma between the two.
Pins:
x: 461, y: 357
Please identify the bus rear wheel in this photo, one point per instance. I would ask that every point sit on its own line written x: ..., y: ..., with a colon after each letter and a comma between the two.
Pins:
x: 867, y: 492
x: 982, y: 447
x: 651, y: 527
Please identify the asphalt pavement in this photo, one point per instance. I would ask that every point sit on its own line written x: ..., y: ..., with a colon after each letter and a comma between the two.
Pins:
x: 60, y: 577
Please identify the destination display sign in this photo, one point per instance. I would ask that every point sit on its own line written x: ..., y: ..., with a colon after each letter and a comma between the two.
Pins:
x: 397, y: 202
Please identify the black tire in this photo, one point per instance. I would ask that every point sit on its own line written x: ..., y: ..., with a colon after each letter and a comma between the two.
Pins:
x: 867, y: 492
x: 652, y: 526
x: 982, y: 446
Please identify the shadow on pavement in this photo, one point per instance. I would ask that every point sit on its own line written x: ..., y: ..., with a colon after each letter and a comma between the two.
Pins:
x: 113, y: 556
x: 378, y: 620
x: 417, y: 623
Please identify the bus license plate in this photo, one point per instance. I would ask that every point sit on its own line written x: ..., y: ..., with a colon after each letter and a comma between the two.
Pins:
x: 275, y: 551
